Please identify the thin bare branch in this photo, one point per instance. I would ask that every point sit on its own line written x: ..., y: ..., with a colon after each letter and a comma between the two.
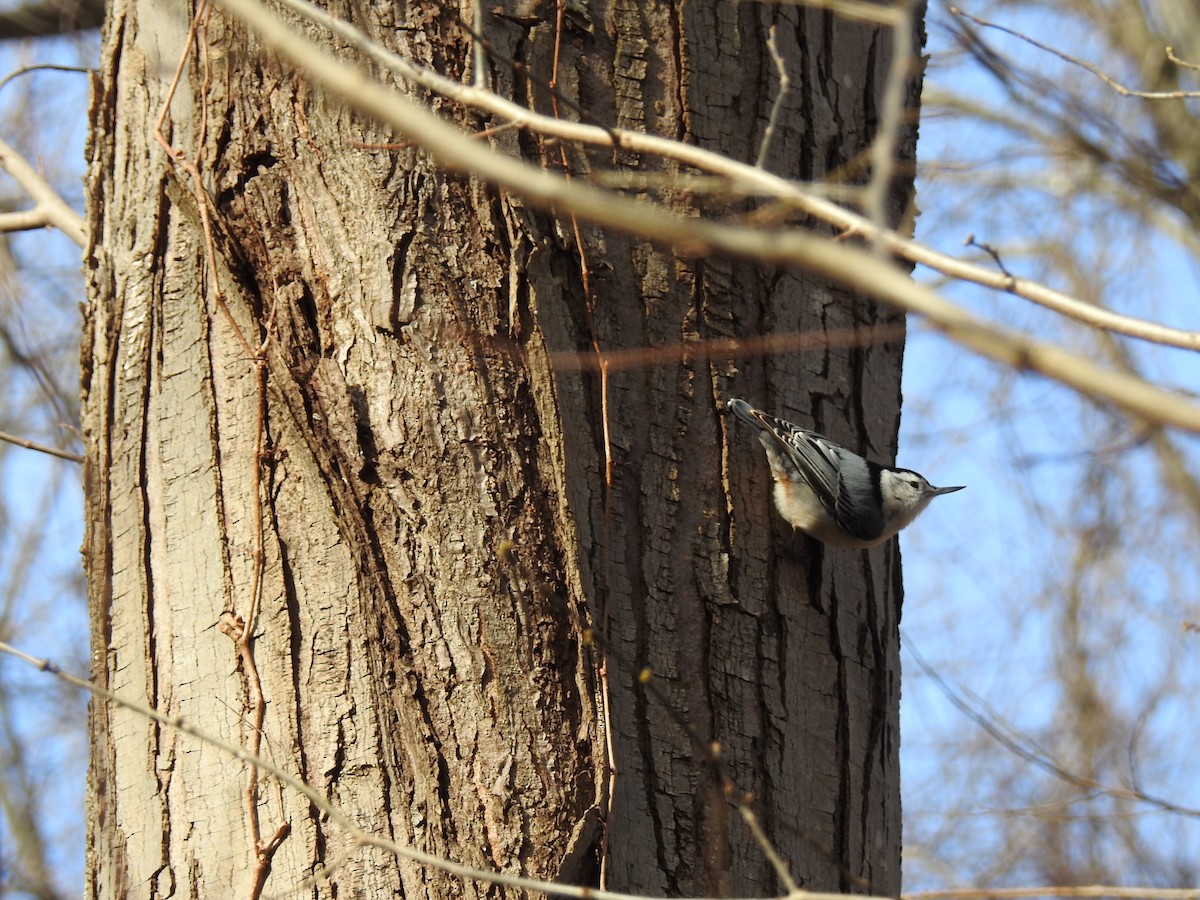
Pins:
x: 41, y: 448
x: 722, y: 348
x: 1182, y: 63
x: 969, y: 241
x: 1012, y: 740
x: 42, y: 67
x: 892, y: 112
x: 785, y: 83
x: 25, y: 220
x: 47, y: 200
x: 1076, y: 61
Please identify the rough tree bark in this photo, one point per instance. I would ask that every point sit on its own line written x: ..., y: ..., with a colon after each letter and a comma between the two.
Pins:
x: 354, y: 412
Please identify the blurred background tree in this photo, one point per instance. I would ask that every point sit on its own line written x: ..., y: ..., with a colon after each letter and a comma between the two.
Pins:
x: 1063, y: 137
x: 43, y: 727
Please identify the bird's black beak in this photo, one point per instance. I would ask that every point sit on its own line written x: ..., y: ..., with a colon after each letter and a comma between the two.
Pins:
x: 936, y: 492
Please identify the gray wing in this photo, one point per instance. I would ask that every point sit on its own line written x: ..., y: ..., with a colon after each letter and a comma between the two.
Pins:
x: 846, y: 484
x: 815, y: 458
x: 860, y: 508
x: 820, y: 462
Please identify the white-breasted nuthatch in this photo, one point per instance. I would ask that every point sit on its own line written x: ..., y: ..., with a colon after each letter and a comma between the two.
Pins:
x: 831, y: 493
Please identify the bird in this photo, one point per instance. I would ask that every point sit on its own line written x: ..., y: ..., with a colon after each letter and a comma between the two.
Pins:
x: 831, y: 493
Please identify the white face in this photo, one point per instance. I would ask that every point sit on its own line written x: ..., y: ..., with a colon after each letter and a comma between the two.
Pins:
x: 906, y: 494
x: 909, y: 487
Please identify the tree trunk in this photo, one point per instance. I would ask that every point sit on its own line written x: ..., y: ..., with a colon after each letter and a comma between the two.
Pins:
x: 336, y: 406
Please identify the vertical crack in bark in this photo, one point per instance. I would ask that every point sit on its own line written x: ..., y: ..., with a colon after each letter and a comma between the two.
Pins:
x: 643, y: 710
x: 144, y: 412
x: 163, y: 774
x: 287, y: 580
x: 844, y: 710
x: 712, y: 809
x: 877, y: 722
x: 769, y: 676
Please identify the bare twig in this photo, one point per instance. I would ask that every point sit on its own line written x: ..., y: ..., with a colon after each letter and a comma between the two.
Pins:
x: 1019, y: 745
x: 991, y: 251
x: 724, y: 348
x: 41, y: 448
x: 1076, y: 61
x: 479, y: 76
x: 25, y: 220
x: 42, y: 67
x: 785, y: 83
x: 47, y: 202
x: 585, y: 278
x: 1182, y: 63
x: 883, y: 145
